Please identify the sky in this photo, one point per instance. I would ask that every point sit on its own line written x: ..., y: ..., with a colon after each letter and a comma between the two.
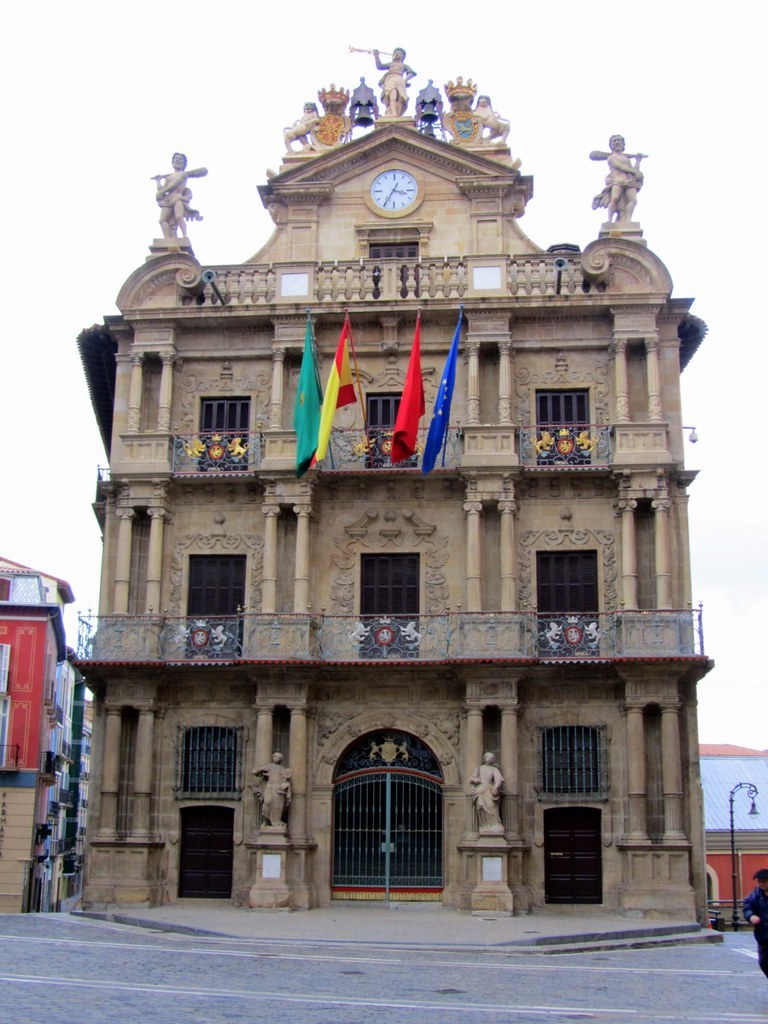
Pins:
x: 99, y: 95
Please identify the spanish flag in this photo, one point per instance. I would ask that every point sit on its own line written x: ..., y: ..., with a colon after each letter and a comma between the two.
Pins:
x: 339, y: 391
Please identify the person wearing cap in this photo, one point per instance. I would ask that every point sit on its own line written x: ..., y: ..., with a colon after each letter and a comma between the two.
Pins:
x: 756, y: 912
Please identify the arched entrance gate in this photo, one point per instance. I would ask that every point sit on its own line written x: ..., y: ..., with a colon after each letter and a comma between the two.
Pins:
x: 388, y: 819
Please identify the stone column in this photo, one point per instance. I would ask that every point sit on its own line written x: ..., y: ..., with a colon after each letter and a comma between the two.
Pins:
x: 653, y: 379
x: 123, y: 560
x: 620, y: 380
x: 508, y: 555
x: 276, y: 403
x: 155, y: 558
x: 627, y: 508
x: 166, y: 392
x: 672, y: 772
x: 110, y: 775
x: 661, y: 507
x: 144, y: 761
x: 297, y: 738
x: 301, y: 583
x: 472, y: 348
x: 510, y: 768
x: 269, y: 581
x: 135, y: 392
x: 636, y: 776
x: 473, y: 755
x: 505, y: 382
x: 473, y: 510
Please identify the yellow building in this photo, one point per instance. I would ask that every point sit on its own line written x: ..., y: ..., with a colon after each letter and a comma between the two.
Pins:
x: 380, y: 628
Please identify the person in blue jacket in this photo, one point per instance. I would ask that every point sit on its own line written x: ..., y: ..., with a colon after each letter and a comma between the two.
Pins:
x: 756, y: 912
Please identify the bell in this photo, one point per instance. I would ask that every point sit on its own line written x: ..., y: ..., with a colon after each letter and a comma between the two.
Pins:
x: 363, y: 115
x: 429, y: 112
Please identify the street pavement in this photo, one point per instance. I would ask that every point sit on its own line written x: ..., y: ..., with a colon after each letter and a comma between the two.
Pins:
x: 70, y: 969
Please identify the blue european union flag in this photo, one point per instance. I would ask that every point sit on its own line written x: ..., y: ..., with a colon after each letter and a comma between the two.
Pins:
x: 438, y: 428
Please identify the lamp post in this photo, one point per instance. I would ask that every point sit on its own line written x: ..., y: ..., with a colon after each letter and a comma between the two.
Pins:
x: 751, y: 793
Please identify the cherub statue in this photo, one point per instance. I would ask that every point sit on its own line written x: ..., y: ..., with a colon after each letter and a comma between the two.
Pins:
x: 173, y: 197
x: 623, y: 182
x: 496, y: 125
x: 299, y: 130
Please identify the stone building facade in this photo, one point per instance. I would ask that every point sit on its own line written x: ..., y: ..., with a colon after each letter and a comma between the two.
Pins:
x: 380, y: 628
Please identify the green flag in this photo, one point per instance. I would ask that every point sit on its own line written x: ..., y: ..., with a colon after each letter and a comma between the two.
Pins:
x: 306, y: 414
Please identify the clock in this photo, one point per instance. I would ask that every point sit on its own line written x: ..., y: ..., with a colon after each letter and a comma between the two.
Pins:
x: 394, y: 190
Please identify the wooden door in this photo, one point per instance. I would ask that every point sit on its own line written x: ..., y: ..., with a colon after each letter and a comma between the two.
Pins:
x: 205, y: 870
x: 573, y: 870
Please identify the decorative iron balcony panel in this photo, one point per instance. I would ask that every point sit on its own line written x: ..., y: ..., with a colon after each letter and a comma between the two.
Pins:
x: 565, y: 445
x: 280, y: 636
x: 373, y: 637
x: 216, y: 452
x: 576, y: 635
x: 352, y: 450
x: 212, y: 637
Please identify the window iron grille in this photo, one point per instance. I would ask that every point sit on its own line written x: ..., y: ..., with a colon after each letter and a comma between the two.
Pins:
x: 572, y: 762
x: 209, y: 762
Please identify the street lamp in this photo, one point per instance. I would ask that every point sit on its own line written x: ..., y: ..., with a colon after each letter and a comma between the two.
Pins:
x: 751, y: 793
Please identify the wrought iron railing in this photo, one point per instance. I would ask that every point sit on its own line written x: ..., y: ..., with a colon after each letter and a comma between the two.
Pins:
x: 217, y: 451
x: 372, y: 449
x: 452, y: 636
x: 565, y: 445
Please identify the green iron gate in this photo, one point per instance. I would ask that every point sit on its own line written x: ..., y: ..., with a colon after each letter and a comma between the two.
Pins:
x: 388, y: 820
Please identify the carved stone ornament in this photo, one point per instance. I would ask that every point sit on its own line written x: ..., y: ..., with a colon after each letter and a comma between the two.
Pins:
x: 567, y: 539
x: 194, y: 543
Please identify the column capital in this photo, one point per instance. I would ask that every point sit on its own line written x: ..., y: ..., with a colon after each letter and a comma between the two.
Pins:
x: 271, y: 510
x: 471, y: 345
x: 157, y: 512
x: 507, y: 506
x: 472, y: 507
x: 661, y: 504
x: 302, y: 510
x: 125, y: 513
x: 137, y: 358
x: 167, y: 358
x: 625, y: 505
x: 278, y: 354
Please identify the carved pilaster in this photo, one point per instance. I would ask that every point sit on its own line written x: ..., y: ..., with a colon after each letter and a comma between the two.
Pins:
x: 276, y: 402
x: 472, y: 349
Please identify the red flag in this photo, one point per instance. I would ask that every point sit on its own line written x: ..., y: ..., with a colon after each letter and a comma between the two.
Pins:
x: 411, y: 405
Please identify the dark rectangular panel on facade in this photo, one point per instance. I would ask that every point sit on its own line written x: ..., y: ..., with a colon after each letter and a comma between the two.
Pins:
x: 566, y: 581
x: 216, y: 584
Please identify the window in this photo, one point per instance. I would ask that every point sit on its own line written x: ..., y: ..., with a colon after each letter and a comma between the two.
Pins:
x: 394, y: 251
x: 5, y: 665
x: 389, y: 595
x: 566, y: 581
x: 562, y: 428
x: 572, y: 761
x: 216, y: 584
x: 210, y: 761
x: 381, y: 412
x: 5, y: 589
x: 567, y: 597
x: 224, y: 441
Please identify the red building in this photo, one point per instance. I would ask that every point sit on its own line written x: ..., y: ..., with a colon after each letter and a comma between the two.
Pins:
x: 727, y: 773
x: 36, y: 687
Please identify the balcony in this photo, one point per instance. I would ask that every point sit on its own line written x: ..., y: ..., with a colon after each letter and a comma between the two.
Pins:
x: 566, y: 445
x: 458, y: 636
x: 48, y: 765
x: 216, y: 452
x: 9, y: 757
x: 355, y: 450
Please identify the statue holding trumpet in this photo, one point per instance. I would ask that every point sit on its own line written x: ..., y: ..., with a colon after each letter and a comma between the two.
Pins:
x: 624, y: 181
x: 394, y: 81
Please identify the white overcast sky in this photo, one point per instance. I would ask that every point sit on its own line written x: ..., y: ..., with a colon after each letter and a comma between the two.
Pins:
x: 97, y: 96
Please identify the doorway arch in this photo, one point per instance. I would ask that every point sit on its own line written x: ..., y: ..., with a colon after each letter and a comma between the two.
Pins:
x: 387, y: 819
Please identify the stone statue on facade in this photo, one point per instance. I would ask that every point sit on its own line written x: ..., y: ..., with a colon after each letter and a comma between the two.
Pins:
x: 300, y: 130
x: 394, y: 84
x: 492, y: 122
x: 174, y: 196
x: 624, y: 181
x: 486, y: 786
x: 276, y: 791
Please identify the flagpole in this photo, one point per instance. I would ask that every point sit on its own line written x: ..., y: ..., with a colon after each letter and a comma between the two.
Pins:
x: 357, y: 372
x: 448, y: 426
x: 316, y: 360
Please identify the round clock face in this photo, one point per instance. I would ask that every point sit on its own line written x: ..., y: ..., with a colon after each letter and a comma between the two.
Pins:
x: 394, y: 190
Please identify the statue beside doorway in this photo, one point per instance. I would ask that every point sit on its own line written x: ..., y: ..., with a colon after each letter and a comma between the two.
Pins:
x: 486, y: 786
x: 275, y: 796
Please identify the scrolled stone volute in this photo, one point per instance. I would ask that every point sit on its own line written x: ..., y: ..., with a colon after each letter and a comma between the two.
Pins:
x: 159, y: 281
x: 621, y: 265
